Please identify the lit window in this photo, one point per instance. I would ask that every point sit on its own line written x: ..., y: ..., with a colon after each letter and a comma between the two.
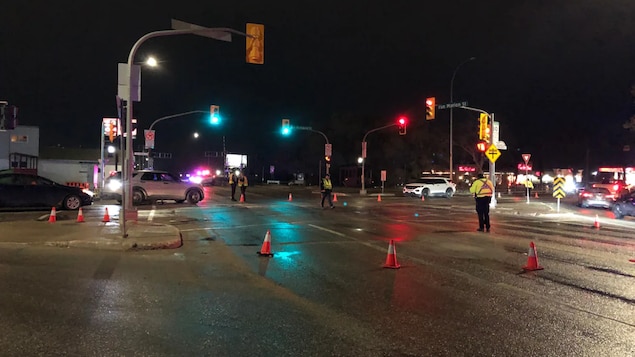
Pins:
x: 19, y: 138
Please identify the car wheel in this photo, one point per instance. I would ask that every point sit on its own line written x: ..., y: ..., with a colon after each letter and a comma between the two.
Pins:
x: 449, y: 193
x: 138, y: 196
x: 72, y: 202
x: 425, y: 192
x: 617, y: 211
x: 194, y: 196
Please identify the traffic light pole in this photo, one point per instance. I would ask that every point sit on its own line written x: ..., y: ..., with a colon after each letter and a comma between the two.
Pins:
x: 308, y: 128
x: 492, y: 165
x: 150, y: 158
x: 363, y: 190
x: 222, y: 34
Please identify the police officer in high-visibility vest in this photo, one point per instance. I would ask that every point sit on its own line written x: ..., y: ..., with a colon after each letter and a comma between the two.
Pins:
x: 326, y: 187
x: 529, y: 185
x: 233, y: 181
x: 243, y: 183
x: 482, y: 189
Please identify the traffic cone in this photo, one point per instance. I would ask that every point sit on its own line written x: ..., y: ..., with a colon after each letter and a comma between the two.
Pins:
x: 596, y: 224
x: 391, y: 257
x: 536, y: 195
x: 242, y: 197
x: 532, y: 259
x: 53, y: 216
x: 378, y: 198
x: 106, y: 216
x: 334, y: 197
x: 265, y: 250
x: 423, y: 198
x: 290, y: 197
x: 80, y: 216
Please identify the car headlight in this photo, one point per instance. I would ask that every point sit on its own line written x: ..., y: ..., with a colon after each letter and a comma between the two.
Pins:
x: 88, y: 192
x: 114, y: 185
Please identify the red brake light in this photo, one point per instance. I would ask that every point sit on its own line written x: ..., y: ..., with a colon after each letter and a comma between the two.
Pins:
x: 616, y: 187
x: 586, y: 194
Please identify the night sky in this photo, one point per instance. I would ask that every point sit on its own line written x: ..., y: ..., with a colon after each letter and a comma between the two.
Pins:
x: 557, y: 74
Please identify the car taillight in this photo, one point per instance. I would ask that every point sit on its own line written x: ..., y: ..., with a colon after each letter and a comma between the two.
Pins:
x: 616, y: 188
x: 586, y: 194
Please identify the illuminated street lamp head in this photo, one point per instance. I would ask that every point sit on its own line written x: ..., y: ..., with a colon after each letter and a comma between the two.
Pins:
x: 111, y: 149
x: 196, y: 135
x: 152, y: 62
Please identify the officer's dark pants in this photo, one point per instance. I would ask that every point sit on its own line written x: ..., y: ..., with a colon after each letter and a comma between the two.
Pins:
x: 233, y: 191
x: 327, y: 195
x: 482, y: 210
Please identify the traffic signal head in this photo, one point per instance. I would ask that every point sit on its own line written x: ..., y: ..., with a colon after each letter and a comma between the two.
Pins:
x: 402, y: 122
x: 214, y: 114
x: 483, y: 127
x: 430, y: 107
x: 286, y: 127
x: 481, y: 146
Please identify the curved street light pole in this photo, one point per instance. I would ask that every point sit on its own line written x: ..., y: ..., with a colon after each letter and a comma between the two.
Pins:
x: 223, y: 34
x: 363, y: 190
x: 451, y: 111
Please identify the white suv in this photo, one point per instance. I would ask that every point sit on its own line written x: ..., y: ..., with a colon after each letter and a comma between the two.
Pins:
x: 430, y: 186
x: 156, y: 185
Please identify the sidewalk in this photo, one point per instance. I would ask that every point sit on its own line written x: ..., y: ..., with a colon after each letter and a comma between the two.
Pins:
x: 95, y: 235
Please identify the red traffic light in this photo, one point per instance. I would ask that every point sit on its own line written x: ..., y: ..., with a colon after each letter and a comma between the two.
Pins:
x: 402, y: 121
x: 481, y: 146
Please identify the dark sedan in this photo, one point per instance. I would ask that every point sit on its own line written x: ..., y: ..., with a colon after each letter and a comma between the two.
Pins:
x: 19, y: 190
x: 596, y: 197
x: 624, y: 206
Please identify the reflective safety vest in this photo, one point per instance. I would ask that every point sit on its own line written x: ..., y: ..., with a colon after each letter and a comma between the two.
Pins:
x: 529, y: 184
x: 482, y: 188
x: 242, y: 181
x: 232, y: 177
x: 326, y: 184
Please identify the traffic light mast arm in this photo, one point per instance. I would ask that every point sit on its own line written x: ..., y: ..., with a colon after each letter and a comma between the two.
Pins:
x: 480, y: 111
x: 176, y: 116
x: 308, y: 128
x: 376, y: 129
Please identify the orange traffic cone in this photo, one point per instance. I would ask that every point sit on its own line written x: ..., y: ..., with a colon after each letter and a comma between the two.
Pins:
x: 532, y: 259
x: 290, y: 197
x: 596, y: 224
x: 53, y: 216
x: 265, y: 250
x: 378, y: 198
x: 106, y: 216
x: 536, y: 195
x: 242, y: 198
x: 423, y: 198
x: 334, y: 197
x: 80, y: 216
x: 391, y: 257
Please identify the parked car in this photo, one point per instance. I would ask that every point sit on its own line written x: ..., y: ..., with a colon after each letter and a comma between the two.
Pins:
x: 430, y: 186
x: 18, y: 190
x: 624, y: 206
x: 153, y: 185
x: 596, y: 197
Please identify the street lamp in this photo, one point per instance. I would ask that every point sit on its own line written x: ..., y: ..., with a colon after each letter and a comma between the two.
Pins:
x: 451, y: 111
x: 152, y: 62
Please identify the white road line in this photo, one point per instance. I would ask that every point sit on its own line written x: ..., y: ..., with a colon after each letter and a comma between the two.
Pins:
x: 151, y: 214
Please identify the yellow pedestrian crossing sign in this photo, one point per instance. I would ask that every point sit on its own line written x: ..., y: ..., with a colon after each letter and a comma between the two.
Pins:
x: 492, y: 153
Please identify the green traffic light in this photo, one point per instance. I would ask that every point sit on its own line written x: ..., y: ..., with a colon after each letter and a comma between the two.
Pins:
x: 286, y: 131
x: 214, y: 120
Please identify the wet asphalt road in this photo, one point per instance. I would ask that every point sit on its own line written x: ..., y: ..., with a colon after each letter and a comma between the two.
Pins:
x: 458, y: 292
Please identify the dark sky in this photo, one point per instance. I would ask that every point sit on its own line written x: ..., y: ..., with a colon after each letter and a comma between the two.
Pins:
x: 556, y: 73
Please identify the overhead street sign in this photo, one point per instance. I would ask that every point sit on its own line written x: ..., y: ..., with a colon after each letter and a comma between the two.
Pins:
x: 558, y: 188
x: 492, y: 153
x: 451, y: 105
